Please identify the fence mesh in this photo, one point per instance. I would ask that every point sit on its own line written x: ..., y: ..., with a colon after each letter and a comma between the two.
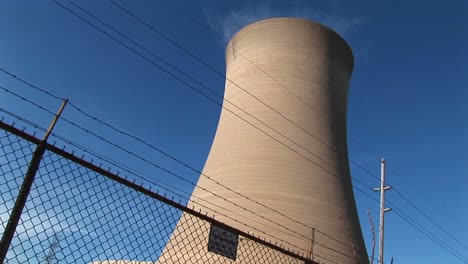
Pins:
x: 15, y: 154
x: 76, y: 214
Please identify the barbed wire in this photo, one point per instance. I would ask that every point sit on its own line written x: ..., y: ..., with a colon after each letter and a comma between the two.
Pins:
x: 305, y: 238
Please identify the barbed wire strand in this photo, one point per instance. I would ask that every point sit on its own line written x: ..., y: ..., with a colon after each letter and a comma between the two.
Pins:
x: 154, y: 182
x: 151, y: 163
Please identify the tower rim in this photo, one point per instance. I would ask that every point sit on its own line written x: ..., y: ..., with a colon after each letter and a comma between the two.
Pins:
x: 341, y: 39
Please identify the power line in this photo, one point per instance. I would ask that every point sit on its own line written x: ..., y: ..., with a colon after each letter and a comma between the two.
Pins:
x: 229, y: 80
x: 185, y: 164
x: 429, y: 218
x: 139, y: 175
x: 146, y: 178
x: 413, y: 204
x: 140, y: 46
x: 153, y: 164
x: 56, y: 97
x: 407, y: 200
x: 193, y: 88
x: 227, y: 43
x: 221, y: 74
x: 209, y: 89
x: 271, y: 77
x: 428, y: 234
x: 151, y: 146
x: 254, y: 64
x: 173, y: 42
x: 224, y: 76
x: 420, y: 228
x: 37, y: 105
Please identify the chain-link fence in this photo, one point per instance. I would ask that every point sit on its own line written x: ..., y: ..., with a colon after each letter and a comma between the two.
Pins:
x: 77, y: 212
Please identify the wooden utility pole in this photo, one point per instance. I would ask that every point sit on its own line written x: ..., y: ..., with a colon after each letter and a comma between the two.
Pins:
x: 383, y: 210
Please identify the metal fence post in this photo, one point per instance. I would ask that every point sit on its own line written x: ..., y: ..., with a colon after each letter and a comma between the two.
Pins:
x: 26, y: 188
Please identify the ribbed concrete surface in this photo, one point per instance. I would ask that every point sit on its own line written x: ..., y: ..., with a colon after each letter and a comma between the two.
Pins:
x: 315, y: 64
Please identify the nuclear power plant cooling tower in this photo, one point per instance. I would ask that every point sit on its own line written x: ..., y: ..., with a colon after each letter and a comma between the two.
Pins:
x: 289, y: 153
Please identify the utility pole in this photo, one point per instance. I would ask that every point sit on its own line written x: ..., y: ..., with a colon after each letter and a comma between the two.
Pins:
x: 383, y: 210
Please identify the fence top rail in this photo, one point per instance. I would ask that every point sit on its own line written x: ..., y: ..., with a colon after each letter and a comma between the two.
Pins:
x: 139, y: 188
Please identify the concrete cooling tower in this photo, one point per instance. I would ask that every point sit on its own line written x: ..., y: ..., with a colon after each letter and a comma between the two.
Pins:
x: 291, y: 76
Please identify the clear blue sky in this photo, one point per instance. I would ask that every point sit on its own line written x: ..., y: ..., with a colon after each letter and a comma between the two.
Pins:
x: 408, y: 95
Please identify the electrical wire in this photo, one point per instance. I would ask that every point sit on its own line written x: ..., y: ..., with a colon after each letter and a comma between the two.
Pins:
x: 152, y: 181
x: 207, y: 65
x: 280, y: 84
x: 50, y: 112
x: 397, y: 191
x: 427, y: 233
x: 141, y: 141
x: 221, y: 74
x: 429, y: 218
x: 193, y: 88
x: 228, y: 45
x: 159, y: 167
x: 203, y: 85
x: 192, y: 55
x: 271, y: 77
